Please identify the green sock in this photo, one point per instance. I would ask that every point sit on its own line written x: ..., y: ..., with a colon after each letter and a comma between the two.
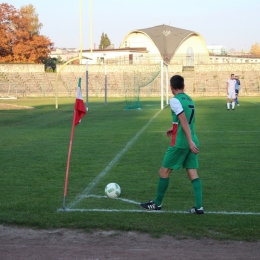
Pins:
x: 197, y: 188
x: 161, y: 189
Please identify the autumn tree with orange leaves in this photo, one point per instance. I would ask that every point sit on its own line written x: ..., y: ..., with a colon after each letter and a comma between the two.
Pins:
x: 255, y: 49
x: 20, y: 40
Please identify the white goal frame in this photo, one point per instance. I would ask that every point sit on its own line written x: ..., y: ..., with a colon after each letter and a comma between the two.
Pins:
x: 164, y: 83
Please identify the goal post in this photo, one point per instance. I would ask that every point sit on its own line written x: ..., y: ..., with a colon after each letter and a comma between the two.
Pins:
x: 164, y: 84
x: 8, y: 90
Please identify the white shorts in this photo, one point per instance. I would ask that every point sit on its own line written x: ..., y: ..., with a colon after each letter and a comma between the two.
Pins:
x: 232, y: 95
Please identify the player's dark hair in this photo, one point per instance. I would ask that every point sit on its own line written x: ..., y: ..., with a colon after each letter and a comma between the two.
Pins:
x: 232, y: 74
x: 177, y: 82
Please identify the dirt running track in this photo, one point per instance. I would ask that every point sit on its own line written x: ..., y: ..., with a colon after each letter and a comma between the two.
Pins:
x: 63, y: 244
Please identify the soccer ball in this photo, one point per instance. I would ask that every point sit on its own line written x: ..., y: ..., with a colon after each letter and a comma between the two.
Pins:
x: 113, y: 190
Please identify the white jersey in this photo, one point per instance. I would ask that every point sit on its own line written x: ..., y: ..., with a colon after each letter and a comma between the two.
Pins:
x: 231, y: 85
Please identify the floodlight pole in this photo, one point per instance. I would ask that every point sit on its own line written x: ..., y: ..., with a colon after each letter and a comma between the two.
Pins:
x: 80, y: 30
x: 91, y: 40
x: 69, y: 61
x: 62, y: 67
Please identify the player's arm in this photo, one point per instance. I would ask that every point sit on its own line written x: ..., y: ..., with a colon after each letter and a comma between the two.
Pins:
x: 176, y: 108
x: 186, y: 129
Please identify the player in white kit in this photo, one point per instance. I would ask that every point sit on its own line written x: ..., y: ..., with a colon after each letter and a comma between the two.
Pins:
x: 231, y: 86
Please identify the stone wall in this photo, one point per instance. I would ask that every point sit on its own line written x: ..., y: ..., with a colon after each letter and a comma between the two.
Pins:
x: 117, y: 68
x: 234, y: 67
x: 7, y: 67
x: 206, y: 80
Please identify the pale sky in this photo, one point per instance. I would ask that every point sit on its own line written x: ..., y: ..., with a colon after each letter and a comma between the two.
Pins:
x: 233, y: 24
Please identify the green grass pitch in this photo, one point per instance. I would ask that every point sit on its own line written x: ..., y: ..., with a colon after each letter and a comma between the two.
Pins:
x: 127, y: 147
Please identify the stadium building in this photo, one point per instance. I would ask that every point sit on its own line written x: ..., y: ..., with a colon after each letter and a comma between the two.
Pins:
x: 173, y: 45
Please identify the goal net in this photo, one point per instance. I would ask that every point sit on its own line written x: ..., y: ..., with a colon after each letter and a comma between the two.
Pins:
x: 8, y: 91
x: 146, y: 86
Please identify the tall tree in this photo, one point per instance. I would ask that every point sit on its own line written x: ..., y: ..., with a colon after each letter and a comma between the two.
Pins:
x: 28, y: 11
x: 255, y: 49
x: 104, y: 41
x: 52, y: 62
x: 7, y: 14
x: 60, y: 60
x: 20, y: 41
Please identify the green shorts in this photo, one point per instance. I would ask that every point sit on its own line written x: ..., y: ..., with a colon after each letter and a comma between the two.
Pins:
x: 175, y: 157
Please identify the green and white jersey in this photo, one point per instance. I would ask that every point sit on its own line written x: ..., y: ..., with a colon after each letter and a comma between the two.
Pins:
x: 182, y: 103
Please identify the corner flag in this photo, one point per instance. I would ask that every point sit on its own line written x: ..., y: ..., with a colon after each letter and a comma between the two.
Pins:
x: 79, y: 107
x: 79, y: 112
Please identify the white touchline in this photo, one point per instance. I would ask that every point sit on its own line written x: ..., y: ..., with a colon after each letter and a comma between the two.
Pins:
x: 148, y: 211
x: 224, y: 131
x: 104, y: 172
x: 160, y: 211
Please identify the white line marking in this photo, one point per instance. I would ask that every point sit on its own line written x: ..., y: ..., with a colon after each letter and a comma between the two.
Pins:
x: 104, y: 172
x: 105, y: 197
x: 148, y: 211
x: 224, y: 131
x: 159, y: 211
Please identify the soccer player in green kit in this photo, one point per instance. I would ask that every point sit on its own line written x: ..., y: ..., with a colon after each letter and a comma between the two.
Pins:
x: 183, y: 150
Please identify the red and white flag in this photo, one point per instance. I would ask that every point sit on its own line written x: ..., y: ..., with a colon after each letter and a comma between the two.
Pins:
x: 79, y: 107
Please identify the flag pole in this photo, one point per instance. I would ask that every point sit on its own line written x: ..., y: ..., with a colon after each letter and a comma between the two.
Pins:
x: 69, y: 155
x: 68, y: 164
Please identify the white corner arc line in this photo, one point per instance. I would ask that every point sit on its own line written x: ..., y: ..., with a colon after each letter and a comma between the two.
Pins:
x: 105, y: 197
x: 109, y: 166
